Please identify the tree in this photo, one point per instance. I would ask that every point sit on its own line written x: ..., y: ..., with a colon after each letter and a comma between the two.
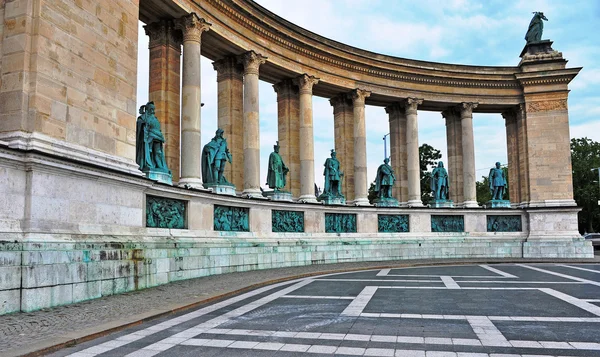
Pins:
x: 585, y: 156
x: 428, y: 157
x: 372, y: 193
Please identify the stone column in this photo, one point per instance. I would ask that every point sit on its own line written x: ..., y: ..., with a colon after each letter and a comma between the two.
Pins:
x: 412, y: 153
x: 455, y: 156
x: 192, y: 27
x: 288, y: 129
x: 397, y: 118
x: 523, y: 156
x: 468, y: 146
x: 230, y: 115
x: 165, y: 53
x: 360, y: 148
x: 512, y: 149
x: 305, y: 84
x: 251, y: 61
x: 343, y: 121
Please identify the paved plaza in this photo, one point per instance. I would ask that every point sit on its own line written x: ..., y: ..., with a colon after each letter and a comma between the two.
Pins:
x: 467, y: 311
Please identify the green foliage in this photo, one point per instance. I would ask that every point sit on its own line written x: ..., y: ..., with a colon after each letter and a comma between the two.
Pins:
x: 428, y: 157
x: 372, y: 194
x: 585, y: 156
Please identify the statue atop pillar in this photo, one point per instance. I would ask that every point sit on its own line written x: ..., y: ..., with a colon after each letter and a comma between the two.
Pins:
x: 384, y: 181
x: 536, y: 27
x: 214, y: 157
x: 497, y: 182
x: 276, y: 174
x: 333, y: 182
x: 149, y: 142
x: 439, y: 186
x: 535, y: 46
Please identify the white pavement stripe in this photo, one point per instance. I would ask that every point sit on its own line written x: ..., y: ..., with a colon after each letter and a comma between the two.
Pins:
x: 383, y: 272
x: 383, y: 281
x: 444, y: 288
x: 462, y: 281
x: 579, y: 268
x: 573, y: 301
x: 487, y: 332
x: 499, y: 272
x: 454, y: 276
x: 591, y: 300
x: 357, y: 305
x: 591, y: 282
x: 318, y: 297
x: 492, y: 318
x: 449, y: 282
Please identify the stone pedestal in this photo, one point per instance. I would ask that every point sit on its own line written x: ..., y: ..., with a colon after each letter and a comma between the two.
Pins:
x: 498, y: 204
x: 442, y: 204
x: 538, y: 48
x: 160, y: 176
x: 274, y: 195
x: 221, y: 189
x: 332, y: 200
x: 386, y: 202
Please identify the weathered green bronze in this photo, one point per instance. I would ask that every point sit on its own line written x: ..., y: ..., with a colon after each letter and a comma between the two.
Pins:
x: 149, y: 154
x: 536, y: 27
x: 215, y: 154
x: 507, y: 223
x: 287, y: 221
x: 447, y: 223
x: 497, y: 182
x: 277, y: 170
x: 340, y: 223
x: 164, y: 212
x: 439, y: 182
x: 231, y: 219
x: 333, y: 180
x: 385, y: 179
x: 397, y: 223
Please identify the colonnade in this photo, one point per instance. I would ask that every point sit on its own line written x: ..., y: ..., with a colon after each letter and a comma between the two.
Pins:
x: 238, y: 116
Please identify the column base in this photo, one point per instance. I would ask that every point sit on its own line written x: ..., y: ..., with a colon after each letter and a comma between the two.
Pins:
x: 414, y: 203
x: 363, y: 201
x: 191, y: 182
x: 307, y: 199
x: 253, y: 193
x: 470, y: 204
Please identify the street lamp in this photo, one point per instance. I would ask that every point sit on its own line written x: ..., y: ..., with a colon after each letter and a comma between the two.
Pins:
x: 385, y: 146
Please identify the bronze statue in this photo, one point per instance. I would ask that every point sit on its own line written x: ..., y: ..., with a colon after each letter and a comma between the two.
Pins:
x: 214, y: 156
x: 384, y: 180
x: 497, y: 180
x: 277, y: 170
x: 333, y: 176
x: 536, y: 27
x: 149, y: 142
x: 439, y: 182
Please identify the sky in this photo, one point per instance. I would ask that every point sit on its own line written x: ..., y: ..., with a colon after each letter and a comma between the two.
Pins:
x: 485, y: 32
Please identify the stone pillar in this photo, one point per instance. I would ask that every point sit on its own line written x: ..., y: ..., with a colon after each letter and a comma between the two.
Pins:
x: 307, y: 152
x: 512, y: 149
x: 165, y: 53
x: 412, y: 153
x: 398, y: 153
x: 455, y: 156
x: 468, y: 146
x: 343, y: 121
x: 251, y: 61
x: 230, y: 115
x: 288, y: 128
x: 192, y: 27
x: 360, y: 148
x: 523, y: 157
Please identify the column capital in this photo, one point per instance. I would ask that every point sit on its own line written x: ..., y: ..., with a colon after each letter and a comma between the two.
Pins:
x: 305, y: 83
x: 510, y: 115
x: 394, y: 109
x: 359, y: 95
x: 251, y: 61
x: 192, y: 27
x: 162, y: 33
x: 227, y: 68
x: 451, y: 113
x: 466, y: 109
x: 286, y: 88
x: 341, y: 99
x: 411, y: 104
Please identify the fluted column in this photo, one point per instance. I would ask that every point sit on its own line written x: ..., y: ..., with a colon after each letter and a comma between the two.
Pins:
x: 192, y: 27
x: 305, y: 84
x: 360, y: 148
x: 288, y: 131
x: 164, y: 91
x: 230, y: 118
x: 455, y: 157
x: 251, y: 61
x: 397, y: 119
x: 343, y: 123
x: 412, y: 153
x: 468, y: 146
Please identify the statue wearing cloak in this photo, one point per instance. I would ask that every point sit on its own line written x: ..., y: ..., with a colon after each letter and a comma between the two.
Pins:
x: 384, y: 180
x: 333, y: 176
x: 536, y: 27
x: 214, y: 156
x: 277, y: 170
x: 149, y: 141
x: 439, y: 182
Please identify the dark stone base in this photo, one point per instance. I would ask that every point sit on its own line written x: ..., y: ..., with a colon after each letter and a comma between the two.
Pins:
x: 442, y: 204
x: 386, y: 202
x: 160, y: 176
x: 534, y: 48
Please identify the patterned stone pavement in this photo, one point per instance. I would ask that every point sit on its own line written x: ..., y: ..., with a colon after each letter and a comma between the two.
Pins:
x: 477, y: 310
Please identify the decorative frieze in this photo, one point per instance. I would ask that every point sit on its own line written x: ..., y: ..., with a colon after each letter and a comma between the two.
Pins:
x: 504, y: 223
x: 340, y: 223
x: 447, y: 223
x: 287, y: 221
x: 162, y: 212
x: 388, y: 223
x: 546, y: 105
x: 231, y: 219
